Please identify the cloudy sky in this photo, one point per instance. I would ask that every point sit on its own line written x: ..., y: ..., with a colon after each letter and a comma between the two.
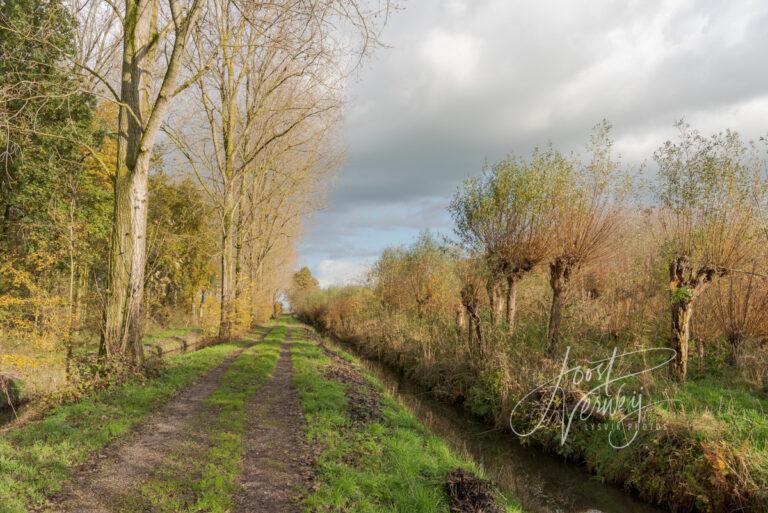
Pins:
x: 469, y: 80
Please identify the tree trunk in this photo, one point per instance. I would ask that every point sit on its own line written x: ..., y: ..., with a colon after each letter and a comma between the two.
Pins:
x: 560, y: 270
x: 72, y: 288
x: 461, y: 320
x: 479, y: 333
x: 734, y: 340
x: 201, y: 310
x: 511, y: 303
x: 494, y: 300
x: 474, y: 322
x: 685, y: 287
x: 238, y: 284
x: 555, y: 319
x: 123, y: 310
x: 227, y: 279
x: 470, y: 301
x: 80, y: 292
x: 230, y: 214
x: 681, y: 332
x: 123, y: 314
x: 238, y: 272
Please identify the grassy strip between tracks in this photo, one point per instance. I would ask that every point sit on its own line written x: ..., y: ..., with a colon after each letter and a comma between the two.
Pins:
x: 201, y: 471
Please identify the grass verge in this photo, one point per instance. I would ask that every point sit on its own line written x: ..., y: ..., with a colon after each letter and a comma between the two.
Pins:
x: 390, y: 464
x: 36, y: 459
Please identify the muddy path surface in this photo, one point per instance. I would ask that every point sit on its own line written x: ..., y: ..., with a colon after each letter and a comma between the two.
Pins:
x: 102, y: 484
x: 277, y: 466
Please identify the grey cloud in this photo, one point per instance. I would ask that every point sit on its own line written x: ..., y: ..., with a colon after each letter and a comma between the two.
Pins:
x: 464, y: 83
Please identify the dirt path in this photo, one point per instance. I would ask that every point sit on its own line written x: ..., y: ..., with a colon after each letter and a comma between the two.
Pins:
x: 277, y: 466
x: 100, y: 485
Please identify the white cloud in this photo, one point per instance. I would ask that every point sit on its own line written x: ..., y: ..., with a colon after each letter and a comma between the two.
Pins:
x: 340, y: 272
x: 452, y: 54
x: 457, y: 7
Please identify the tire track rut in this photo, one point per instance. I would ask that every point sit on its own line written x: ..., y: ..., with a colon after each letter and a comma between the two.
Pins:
x: 277, y: 469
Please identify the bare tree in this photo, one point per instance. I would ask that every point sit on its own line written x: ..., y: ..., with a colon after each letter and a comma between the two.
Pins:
x: 282, y: 193
x: 130, y: 52
x: 273, y: 90
x: 470, y: 274
x: 153, y: 36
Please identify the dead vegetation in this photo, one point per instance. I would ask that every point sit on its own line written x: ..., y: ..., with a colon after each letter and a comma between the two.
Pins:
x: 363, y: 401
x: 470, y: 494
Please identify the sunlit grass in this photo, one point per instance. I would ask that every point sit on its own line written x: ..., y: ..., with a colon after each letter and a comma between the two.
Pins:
x: 391, y: 465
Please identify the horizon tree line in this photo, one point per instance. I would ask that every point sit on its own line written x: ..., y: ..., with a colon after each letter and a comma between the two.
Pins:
x: 700, y: 220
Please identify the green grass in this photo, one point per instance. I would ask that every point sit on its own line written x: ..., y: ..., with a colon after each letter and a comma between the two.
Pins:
x: 36, y: 459
x: 201, y: 472
x: 726, y: 413
x: 710, y: 452
x: 734, y: 411
x: 391, y: 465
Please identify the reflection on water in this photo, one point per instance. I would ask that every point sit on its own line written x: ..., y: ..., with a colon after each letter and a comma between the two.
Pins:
x: 542, y: 482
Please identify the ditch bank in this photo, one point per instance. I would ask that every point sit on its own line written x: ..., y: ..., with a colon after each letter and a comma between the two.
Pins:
x: 370, y: 452
x: 671, y: 466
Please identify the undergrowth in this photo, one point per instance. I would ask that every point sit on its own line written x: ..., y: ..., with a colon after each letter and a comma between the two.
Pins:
x: 705, y: 448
